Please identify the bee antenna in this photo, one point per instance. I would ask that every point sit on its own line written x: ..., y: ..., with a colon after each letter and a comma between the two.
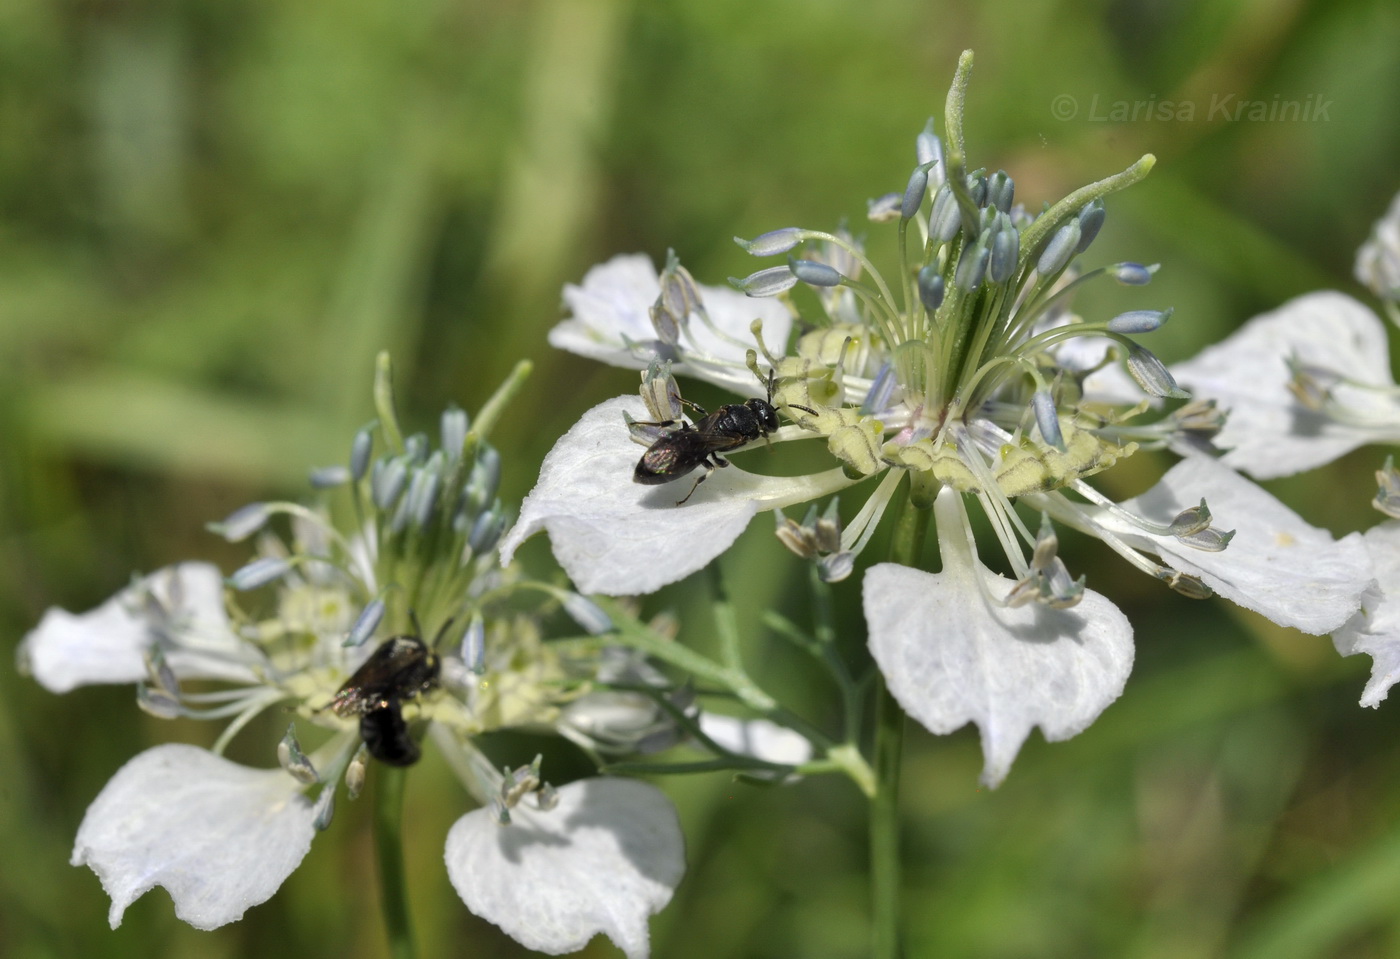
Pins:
x: 417, y: 626
x: 437, y: 640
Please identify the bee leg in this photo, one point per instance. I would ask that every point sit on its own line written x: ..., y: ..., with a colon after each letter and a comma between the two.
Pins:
x: 710, y: 464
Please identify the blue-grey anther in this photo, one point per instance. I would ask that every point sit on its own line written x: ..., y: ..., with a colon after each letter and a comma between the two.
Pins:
x: 769, y: 282
x: 329, y: 477
x: 1001, y: 191
x: 1047, y: 418
x: 485, y: 479
x: 366, y: 623
x: 423, y: 491
x: 977, y: 188
x: 884, y: 209
x: 474, y: 645
x: 1090, y: 222
x: 660, y: 393
x: 293, y: 760
x: 324, y: 809
x: 242, y: 522
x: 1006, y: 249
x: 881, y: 392
x: 1191, y: 520
x: 453, y: 428
x: 930, y: 288
x: 1060, y: 250
x: 773, y: 242
x: 387, y: 482
x: 836, y: 567
x: 355, y: 773
x: 928, y: 148
x: 945, y: 219
x: 1139, y: 321
x: 360, y: 450
x: 972, y: 265
x: 155, y: 703
x: 259, y: 572
x: 587, y: 614
x: 1151, y: 374
x: 1131, y: 274
x: 1209, y: 540
x: 815, y: 274
x: 486, y: 531
x: 914, y: 193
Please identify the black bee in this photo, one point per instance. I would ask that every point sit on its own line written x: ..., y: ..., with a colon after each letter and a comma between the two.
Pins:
x: 400, y: 669
x: 688, y: 446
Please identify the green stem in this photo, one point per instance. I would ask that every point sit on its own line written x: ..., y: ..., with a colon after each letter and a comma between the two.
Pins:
x: 911, y: 525
x: 884, y: 825
x: 388, y: 842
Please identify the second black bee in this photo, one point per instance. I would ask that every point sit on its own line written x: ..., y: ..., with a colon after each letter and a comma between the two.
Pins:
x: 686, y: 447
x: 399, y: 670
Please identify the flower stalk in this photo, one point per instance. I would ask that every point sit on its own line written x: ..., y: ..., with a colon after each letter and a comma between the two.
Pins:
x: 388, y: 847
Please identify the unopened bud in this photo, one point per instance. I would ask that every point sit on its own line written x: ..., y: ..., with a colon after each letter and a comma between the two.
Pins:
x: 360, y: 450
x: 1090, y: 222
x: 453, y: 429
x: 366, y: 623
x: 1151, y: 374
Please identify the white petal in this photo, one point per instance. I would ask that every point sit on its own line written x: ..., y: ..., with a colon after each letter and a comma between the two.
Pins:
x: 1268, y: 432
x: 603, y: 860
x: 617, y: 537
x: 1375, y: 630
x: 218, y: 836
x: 1277, y: 564
x: 950, y: 658
x: 107, y: 644
x: 759, y: 738
x: 611, y: 307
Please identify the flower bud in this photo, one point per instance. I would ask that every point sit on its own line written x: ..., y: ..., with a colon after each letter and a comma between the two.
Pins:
x: 1006, y: 249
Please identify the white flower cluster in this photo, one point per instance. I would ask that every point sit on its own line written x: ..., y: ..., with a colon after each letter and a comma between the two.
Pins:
x: 965, y: 377
x: 551, y: 867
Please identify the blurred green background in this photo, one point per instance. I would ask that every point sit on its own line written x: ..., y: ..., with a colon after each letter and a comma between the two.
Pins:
x: 213, y: 214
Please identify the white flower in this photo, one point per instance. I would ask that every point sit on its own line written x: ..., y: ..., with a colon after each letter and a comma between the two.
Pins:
x: 1303, y: 385
x: 1375, y: 629
x: 1378, y: 259
x: 958, y: 379
x: 603, y: 859
x: 611, y: 322
x: 221, y: 837
x: 218, y: 836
